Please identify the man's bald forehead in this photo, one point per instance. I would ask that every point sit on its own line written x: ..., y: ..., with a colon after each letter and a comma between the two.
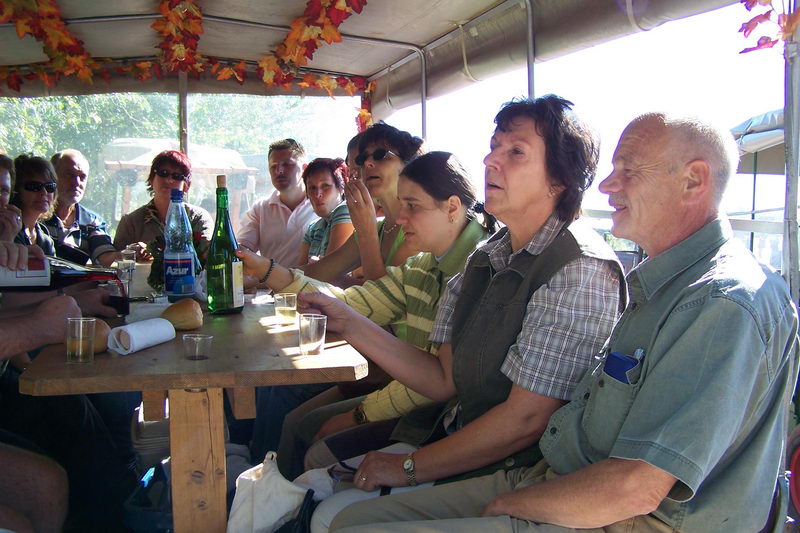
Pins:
x: 70, y: 156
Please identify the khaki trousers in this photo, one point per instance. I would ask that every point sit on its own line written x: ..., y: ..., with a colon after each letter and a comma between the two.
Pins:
x: 457, y: 507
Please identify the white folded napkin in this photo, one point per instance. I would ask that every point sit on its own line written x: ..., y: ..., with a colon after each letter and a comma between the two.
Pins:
x: 144, y: 311
x: 140, y: 335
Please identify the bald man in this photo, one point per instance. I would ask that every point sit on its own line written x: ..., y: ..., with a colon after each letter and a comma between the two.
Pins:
x: 679, y: 426
x: 79, y: 233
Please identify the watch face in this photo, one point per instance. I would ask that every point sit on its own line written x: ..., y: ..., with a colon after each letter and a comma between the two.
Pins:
x: 408, y: 464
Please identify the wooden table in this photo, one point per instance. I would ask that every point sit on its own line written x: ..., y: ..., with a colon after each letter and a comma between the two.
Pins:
x: 250, y: 349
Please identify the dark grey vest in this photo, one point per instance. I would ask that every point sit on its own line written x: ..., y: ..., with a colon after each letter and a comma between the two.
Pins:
x: 487, y: 320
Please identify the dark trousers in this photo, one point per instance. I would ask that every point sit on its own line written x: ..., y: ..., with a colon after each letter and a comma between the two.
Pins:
x: 71, y: 431
x: 272, y: 406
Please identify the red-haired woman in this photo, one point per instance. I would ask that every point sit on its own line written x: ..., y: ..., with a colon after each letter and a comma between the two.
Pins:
x: 170, y: 170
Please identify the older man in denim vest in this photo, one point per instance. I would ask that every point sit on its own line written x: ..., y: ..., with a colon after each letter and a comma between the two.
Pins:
x: 680, y: 425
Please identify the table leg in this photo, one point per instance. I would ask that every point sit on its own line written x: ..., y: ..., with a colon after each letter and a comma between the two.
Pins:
x: 153, y: 403
x: 243, y: 402
x: 197, y: 447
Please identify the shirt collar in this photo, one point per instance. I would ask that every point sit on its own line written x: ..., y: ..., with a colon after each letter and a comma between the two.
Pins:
x: 541, y: 240
x: 655, y: 272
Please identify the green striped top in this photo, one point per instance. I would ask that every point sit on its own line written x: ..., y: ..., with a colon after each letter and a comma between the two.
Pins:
x: 407, y: 293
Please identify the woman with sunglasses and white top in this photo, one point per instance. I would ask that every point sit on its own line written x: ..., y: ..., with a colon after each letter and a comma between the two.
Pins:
x: 34, y: 195
x: 170, y: 170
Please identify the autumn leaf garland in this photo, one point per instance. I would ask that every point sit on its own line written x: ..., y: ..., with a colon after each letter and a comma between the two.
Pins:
x: 180, y: 27
x: 786, y: 24
x: 42, y: 20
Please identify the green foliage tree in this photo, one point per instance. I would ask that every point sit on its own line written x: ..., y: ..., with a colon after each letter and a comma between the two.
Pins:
x: 43, y: 126
x: 245, y: 123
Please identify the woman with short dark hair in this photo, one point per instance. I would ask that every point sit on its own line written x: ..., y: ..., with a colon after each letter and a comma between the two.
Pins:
x: 517, y: 327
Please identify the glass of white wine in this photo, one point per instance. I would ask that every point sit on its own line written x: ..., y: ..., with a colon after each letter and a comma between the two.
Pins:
x: 286, y: 307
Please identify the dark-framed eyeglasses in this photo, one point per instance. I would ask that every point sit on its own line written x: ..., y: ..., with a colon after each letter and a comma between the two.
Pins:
x: 37, y: 186
x: 379, y: 154
x: 177, y: 176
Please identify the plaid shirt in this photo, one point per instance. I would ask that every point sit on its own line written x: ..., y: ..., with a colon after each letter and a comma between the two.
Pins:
x: 568, y: 319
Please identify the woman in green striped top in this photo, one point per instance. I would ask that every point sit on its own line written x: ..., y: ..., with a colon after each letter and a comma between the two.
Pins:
x: 437, y: 212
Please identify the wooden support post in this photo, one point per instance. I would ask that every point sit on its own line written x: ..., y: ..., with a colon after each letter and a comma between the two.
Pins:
x: 154, y: 405
x: 243, y: 402
x: 196, y: 428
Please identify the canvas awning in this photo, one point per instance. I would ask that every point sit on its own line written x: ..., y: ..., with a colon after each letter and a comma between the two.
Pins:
x: 463, y: 40
x: 761, y: 144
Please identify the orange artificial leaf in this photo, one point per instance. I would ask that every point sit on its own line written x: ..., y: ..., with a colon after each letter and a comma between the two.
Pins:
x: 6, y: 12
x: 23, y: 26
x: 57, y: 38
x: 309, y: 80
x: 14, y: 81
x: 338, y: 12
x: 179, y: 51
x: 164, y: 27
x: 350, y: 88
x: 750, y: 4
x: 328, y: 83
x: 225, y: 73
x: 357, y: 5
x: 748, y: 27
x: 48, y: 9
x: 788, y: 23
x: 240, y: 71
x: 330, y: 34
x: 194, y: 26
x: 763, y: 42
x: 296, y: 30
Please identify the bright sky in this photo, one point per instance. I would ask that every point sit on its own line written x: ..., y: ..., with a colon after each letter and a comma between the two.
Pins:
x: 689, y: 66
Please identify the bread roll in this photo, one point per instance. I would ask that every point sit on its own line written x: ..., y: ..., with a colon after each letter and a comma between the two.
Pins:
x: 101, y: 332
x: 184, y: 314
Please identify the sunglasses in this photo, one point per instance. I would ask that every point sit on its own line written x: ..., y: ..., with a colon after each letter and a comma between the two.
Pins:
x: 378, y: 155
x: 36, y: 186
x: 177, y: 176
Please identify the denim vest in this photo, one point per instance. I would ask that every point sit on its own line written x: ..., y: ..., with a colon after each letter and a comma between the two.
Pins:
x: 487, y: 320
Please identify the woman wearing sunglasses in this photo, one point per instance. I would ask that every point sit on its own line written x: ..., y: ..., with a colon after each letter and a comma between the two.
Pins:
x: 170, y: 170
x: 34, y: 195
x: 383, y: 151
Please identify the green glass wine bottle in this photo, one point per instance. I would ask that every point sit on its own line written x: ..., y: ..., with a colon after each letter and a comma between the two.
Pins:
x: 225, y: 277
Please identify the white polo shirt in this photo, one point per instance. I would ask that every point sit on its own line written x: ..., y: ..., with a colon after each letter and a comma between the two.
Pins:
x: 276, y: 231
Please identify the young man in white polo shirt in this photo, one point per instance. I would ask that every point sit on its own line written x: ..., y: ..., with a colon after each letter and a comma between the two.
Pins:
x: 275, y: 225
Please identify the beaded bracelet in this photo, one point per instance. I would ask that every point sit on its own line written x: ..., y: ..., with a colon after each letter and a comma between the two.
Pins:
x: 269, y: 271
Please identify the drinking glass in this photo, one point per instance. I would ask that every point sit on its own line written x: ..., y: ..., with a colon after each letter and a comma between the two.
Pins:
x: 312, y: 333
x: 80, y: 340
x: 197, y: 346
x: 286, y: 307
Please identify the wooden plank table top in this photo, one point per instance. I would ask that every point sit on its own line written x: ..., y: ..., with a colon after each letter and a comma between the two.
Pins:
x: 249, y: 349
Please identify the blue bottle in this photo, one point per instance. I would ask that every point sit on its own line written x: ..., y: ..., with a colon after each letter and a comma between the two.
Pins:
x: 179, y: 256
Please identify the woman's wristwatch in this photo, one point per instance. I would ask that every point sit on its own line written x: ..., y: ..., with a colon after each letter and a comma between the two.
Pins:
x: 408, y: 467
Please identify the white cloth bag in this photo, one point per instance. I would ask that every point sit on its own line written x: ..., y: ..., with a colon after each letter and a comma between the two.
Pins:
x: 264, y: 499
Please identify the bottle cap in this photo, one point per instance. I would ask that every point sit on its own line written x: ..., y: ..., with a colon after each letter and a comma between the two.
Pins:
x: 176, y: 195
x: 221, y: 181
